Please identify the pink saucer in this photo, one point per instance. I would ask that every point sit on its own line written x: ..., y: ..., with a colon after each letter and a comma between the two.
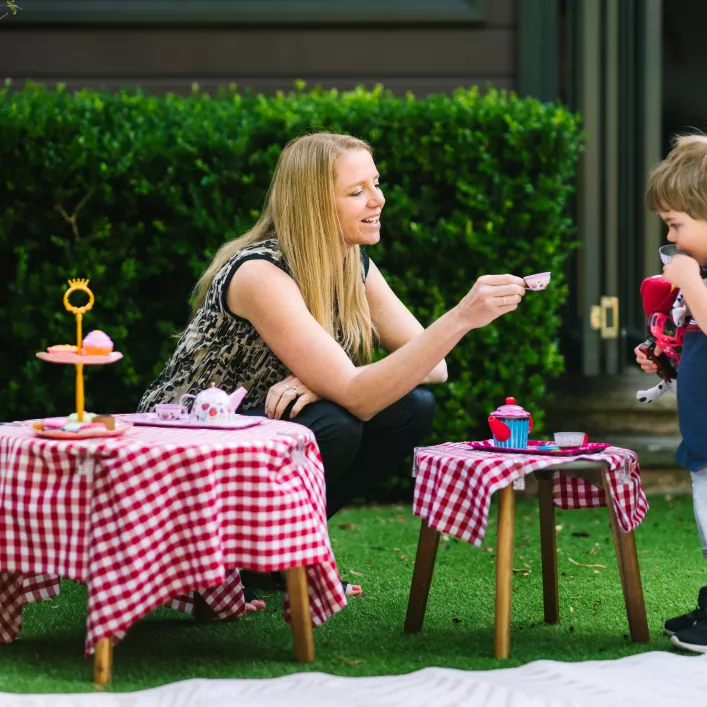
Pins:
x: 75, y: 358
x: 89, y: 433
x: 150, y: 419
x: 487, y: 445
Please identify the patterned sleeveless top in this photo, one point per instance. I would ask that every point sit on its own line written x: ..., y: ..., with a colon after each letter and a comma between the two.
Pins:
x: 221, y: 348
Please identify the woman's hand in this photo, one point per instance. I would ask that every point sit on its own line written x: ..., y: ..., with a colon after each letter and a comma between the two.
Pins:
x: 643, y: 361
x: 491, y: 297
x: 283, y: 393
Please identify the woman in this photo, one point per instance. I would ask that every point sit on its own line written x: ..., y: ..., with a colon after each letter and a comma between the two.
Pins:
x: 290, y: 310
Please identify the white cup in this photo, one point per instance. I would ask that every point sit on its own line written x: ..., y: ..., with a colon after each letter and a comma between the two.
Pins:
x: 570, y: 440
x: 170, y: 411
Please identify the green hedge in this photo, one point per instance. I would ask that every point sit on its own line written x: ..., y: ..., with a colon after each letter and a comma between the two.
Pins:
x: 135, y: 192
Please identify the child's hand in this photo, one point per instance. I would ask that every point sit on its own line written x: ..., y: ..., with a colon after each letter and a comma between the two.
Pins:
x: 644, y: 363
x: 681, y: 270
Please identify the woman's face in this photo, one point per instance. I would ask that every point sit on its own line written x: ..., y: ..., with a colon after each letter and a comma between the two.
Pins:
x: 359, y: 200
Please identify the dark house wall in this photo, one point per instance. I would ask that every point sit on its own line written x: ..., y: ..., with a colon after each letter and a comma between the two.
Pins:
x: 684, y: 63
x: 429, y: 58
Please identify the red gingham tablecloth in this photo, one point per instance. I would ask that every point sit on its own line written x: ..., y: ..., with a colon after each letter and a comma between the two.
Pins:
x: 145, y: 518
x: 454, y: 484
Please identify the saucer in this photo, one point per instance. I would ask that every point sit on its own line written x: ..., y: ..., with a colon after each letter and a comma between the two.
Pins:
x: 150, y: 419
x: 532, y: 448
x: 90, y: 433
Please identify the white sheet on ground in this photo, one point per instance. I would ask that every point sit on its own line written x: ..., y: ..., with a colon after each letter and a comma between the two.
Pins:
x: 654, y: 679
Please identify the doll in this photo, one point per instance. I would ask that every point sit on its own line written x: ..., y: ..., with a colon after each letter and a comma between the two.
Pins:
x: 666, y: 310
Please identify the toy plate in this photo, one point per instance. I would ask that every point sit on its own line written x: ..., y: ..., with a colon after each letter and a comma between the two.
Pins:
x: 89, y: 433
x: 589, y: 448
x: 75, y: 358
x: 150, y: 419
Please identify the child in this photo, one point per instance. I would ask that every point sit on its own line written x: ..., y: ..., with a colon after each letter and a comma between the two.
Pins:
x: 677, y: 191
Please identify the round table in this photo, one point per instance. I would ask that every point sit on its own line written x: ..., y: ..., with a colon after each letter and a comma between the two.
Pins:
x: 147, y: 518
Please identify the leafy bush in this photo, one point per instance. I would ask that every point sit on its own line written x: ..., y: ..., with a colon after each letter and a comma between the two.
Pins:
x: 135, y: 192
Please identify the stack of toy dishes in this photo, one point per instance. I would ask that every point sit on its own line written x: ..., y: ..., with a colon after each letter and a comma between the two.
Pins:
x: 95, y: 349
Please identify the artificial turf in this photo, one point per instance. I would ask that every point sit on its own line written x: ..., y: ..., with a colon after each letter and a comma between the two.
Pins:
x: 375, y: 547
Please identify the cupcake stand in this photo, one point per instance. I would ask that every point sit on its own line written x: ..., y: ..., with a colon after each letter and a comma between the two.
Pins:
x: 113, y: 427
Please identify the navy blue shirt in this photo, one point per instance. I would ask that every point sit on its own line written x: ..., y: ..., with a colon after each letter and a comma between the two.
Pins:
x: 692, y: 400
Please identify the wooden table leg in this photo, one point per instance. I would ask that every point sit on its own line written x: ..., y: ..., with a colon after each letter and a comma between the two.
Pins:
x: 629, y: 570
x: 504, y: 572
x: 548, y: 549
x: 103, y: 662
x: 421, y: 578
x: 296, y: 578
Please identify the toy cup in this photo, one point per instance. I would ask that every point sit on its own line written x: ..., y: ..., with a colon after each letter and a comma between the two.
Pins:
x: 668, y: 252
x: 570, y: 440
x: 539, y: 281
x: 170, y: 411
x: 510, y: 425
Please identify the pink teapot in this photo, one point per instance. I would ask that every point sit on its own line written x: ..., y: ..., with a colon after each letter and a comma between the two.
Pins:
x: 214, y: 406
x: 510, y: 425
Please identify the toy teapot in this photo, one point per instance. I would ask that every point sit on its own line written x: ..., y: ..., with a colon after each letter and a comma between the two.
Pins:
x: 510, y: 425
x: 214, y: 406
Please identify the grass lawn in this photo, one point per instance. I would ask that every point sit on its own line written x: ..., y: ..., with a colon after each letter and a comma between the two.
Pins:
x: 376, y: 548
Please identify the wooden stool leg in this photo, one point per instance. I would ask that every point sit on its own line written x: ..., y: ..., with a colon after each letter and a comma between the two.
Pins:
x: 421, y: 578
x: 548, y: 548
x: 296, y: 578
x: 103, y: 662
x: 504, y: 572
x: 629, y: 570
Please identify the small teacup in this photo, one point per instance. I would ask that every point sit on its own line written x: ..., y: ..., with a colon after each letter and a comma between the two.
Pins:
x: 570, y: 440
x: 668, y: 252
x: 538, y: 281
x: 170, y: 411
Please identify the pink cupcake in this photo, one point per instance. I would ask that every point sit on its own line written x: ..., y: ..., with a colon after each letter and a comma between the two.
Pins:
x: 97, y: 343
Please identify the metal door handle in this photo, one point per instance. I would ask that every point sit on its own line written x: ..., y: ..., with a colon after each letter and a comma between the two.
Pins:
x: 599, y: 317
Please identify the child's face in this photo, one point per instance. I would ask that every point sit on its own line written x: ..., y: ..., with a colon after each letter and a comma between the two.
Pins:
x: 687, y: 234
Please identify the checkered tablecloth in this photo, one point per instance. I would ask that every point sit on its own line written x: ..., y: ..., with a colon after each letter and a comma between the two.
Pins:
x: 454, y: 484
x: 146, y: 518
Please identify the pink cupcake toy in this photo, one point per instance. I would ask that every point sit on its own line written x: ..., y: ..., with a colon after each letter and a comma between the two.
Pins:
x: 97, y: 343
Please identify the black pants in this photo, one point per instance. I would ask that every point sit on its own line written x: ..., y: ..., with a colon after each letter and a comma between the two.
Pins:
x: 358, y: 454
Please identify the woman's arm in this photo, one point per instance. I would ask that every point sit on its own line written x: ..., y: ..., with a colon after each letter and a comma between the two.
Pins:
x: 395, y: 323
x: 260, y: 292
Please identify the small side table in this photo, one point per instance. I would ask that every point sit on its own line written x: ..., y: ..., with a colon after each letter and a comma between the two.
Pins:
x: 592, y: 471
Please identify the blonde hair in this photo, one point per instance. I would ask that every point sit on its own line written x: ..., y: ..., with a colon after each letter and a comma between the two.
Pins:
x: 679, y: 182
x: 300, y: 211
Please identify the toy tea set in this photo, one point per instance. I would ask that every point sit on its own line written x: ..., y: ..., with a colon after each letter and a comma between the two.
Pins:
x: 213, y: 408
x: 511, y: 425
x: 95, y: 349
